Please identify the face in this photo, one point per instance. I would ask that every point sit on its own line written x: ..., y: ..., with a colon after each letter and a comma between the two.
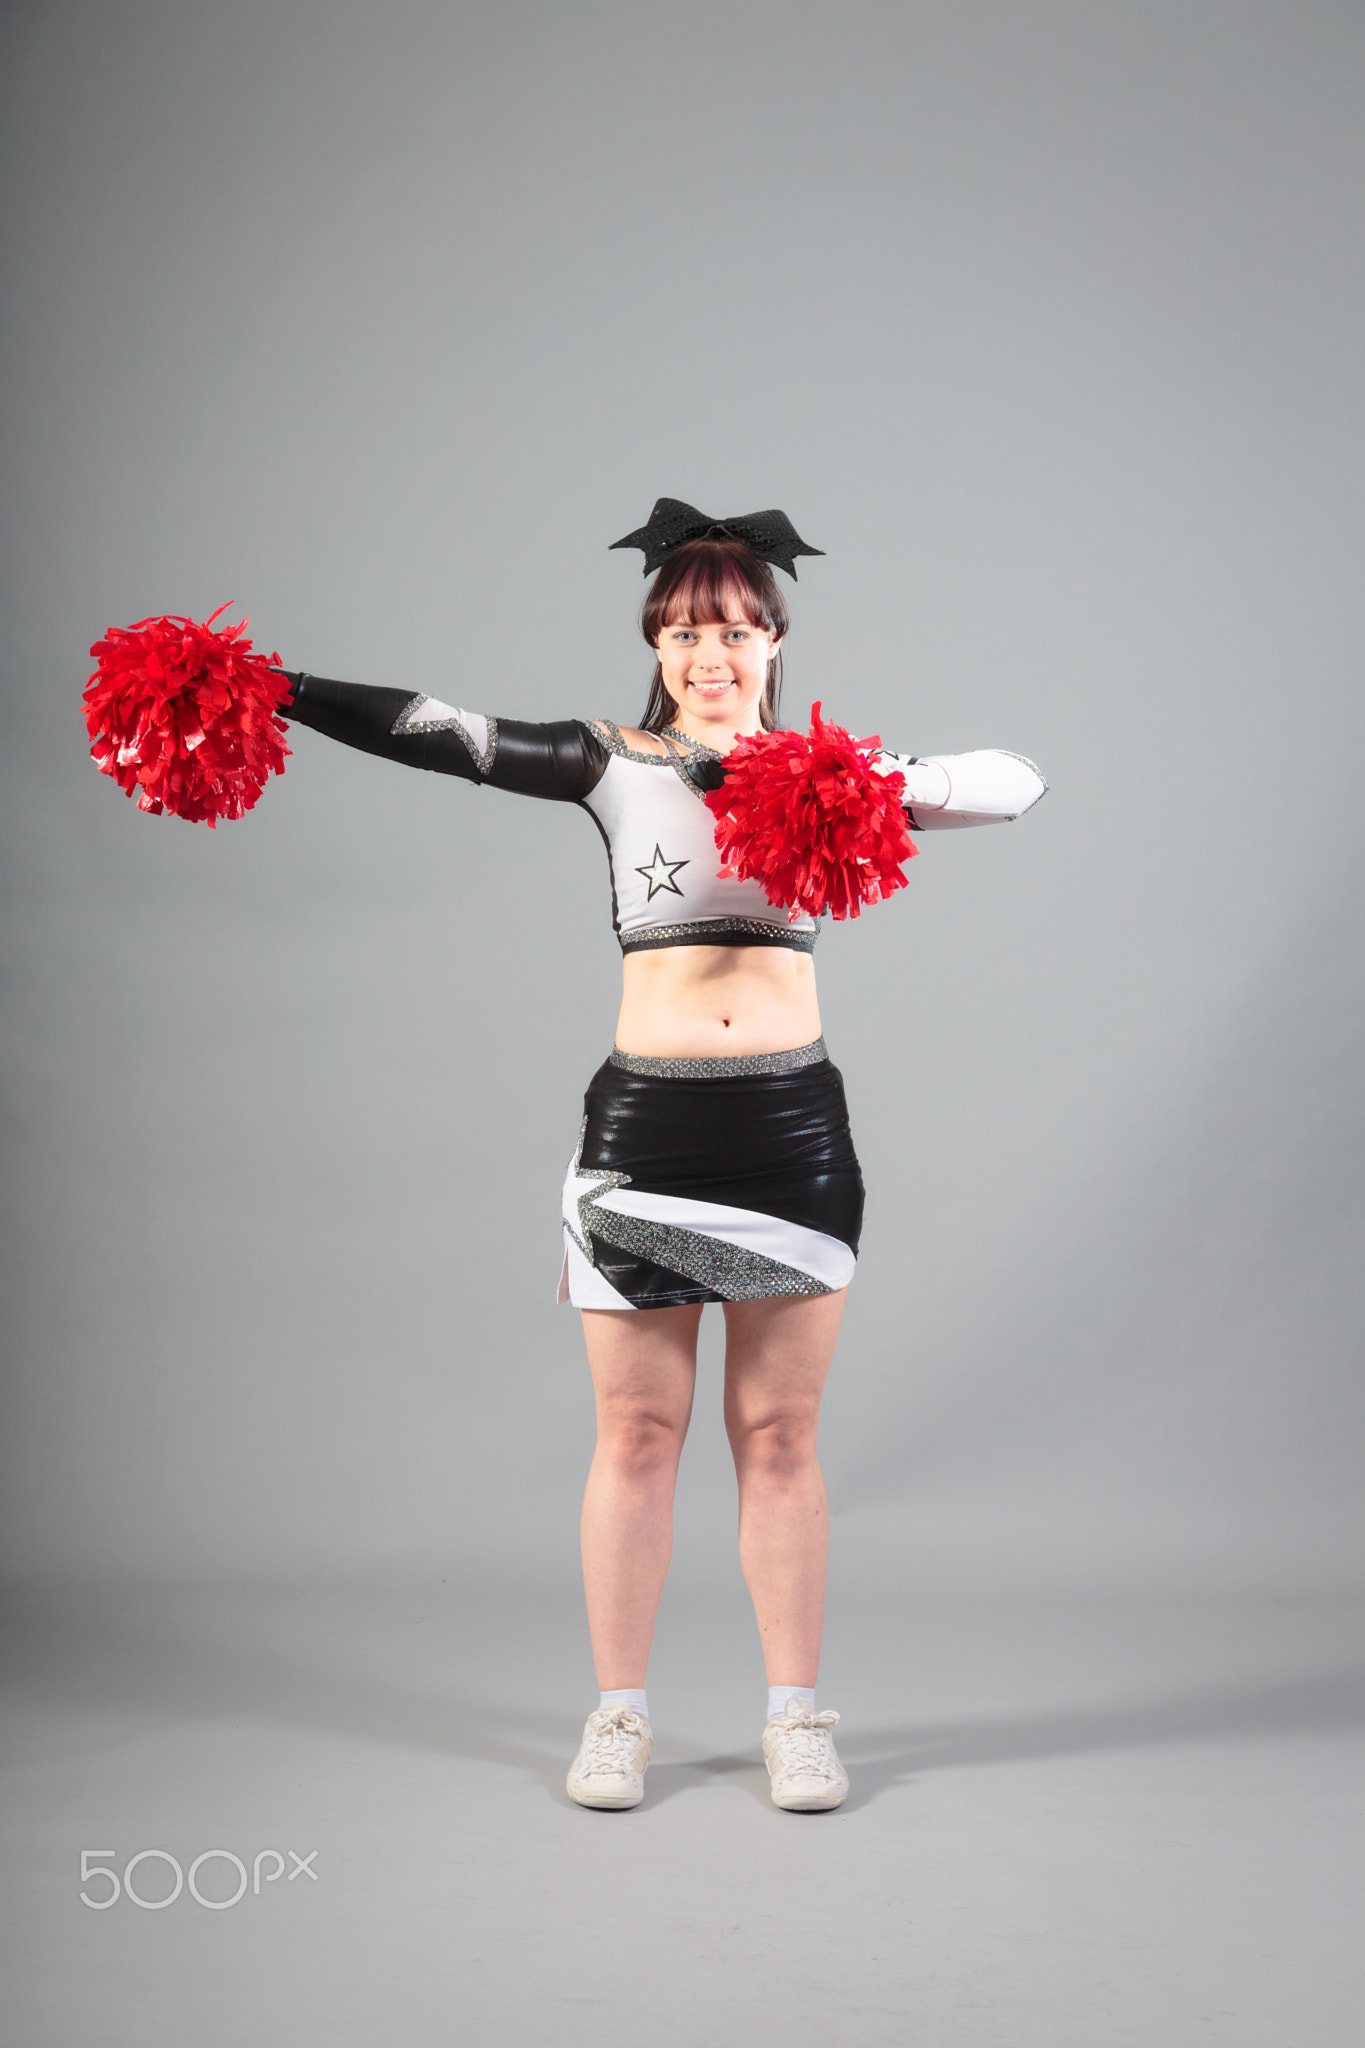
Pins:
x: 715, y: 673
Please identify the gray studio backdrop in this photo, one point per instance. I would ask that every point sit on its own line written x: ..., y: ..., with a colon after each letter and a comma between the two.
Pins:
x: 1045, y: 322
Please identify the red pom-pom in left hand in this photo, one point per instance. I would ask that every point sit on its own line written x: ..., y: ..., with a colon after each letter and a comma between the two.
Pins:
x: 188, y: 713
x: 808, y: 816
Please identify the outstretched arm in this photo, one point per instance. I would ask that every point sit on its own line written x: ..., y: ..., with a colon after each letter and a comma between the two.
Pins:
x: 987, y: 787
x: 562, y: 760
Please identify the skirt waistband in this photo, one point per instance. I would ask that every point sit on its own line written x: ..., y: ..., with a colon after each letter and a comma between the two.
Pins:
x: 724, y: 1066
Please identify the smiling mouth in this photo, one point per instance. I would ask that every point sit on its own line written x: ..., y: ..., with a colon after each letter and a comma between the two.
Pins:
x: 710, y: 689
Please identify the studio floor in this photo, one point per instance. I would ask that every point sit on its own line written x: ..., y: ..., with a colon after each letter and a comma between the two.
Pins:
x: 1071, y: 1822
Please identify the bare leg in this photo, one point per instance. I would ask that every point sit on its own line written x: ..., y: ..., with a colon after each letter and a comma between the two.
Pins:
x: 777, y: 1356
x: 644, y: 1368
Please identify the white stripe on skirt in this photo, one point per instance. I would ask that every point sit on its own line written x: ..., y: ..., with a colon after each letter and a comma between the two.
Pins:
x: 826, y: 1259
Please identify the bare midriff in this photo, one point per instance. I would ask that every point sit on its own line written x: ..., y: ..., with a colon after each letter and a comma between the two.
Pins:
x: 700, y: 1002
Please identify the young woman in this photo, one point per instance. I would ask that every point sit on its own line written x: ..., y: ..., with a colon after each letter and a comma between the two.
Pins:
x: 714, y: 1162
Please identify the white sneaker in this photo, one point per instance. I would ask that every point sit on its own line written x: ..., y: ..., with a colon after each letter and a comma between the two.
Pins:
x: 609, y: 1769
x: 798, y: 1748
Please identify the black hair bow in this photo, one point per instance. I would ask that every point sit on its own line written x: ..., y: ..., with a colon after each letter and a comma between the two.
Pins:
x: 770, y: 535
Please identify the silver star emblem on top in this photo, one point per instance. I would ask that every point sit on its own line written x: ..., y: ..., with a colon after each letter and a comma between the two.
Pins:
x: 582, y: 1187
x: 659, y: 874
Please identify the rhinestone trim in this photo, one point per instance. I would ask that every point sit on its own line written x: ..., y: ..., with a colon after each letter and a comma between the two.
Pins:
x: 671, y: 732
x: 611, y: 734
x: 605, y: 1181
x: 721, y: 931
x: 730, y: 1270
x: 678, y: 761
x: 410, y: 721
x: 722, y: 1066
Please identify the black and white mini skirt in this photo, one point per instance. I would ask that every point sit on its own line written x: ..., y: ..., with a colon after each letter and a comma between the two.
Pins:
x: 730, y: 1179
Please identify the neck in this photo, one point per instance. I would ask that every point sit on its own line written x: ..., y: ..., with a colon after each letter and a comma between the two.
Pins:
x: 721, y: 737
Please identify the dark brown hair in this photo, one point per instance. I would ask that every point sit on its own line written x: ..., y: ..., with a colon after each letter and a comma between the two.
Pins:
x: 704, y: 584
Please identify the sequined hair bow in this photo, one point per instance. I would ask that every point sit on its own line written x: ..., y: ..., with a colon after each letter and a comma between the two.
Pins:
x: 770, y: 535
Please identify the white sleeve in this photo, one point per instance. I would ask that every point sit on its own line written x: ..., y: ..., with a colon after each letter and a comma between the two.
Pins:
x: 984, y: 788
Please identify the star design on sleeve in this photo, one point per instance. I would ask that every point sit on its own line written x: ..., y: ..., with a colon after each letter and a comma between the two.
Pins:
x: 581, y: 1190
x: 659, y: 874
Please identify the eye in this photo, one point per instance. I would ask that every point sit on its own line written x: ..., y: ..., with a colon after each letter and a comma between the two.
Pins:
x: 684, y: 633
x: 737, y: 633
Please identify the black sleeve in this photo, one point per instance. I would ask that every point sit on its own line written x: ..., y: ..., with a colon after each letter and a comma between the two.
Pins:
x: 563, y: 760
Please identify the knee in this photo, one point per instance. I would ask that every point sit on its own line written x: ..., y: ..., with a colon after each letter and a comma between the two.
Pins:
x: 639, y: 1444
x: 774, y: 1448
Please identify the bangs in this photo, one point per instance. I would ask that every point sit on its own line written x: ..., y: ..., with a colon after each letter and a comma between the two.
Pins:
x: 709, y: 582
x: 710, y: 591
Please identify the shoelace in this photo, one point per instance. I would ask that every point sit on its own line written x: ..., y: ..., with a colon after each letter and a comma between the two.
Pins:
x: 808, y: 1741
x: 612, y: 1739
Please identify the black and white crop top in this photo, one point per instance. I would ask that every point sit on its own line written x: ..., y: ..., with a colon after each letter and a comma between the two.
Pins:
x: 659, y: 834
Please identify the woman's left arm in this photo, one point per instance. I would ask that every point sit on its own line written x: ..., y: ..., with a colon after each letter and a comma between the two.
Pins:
x: 988, y: 787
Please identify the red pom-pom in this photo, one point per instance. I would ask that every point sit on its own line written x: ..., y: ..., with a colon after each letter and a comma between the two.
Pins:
x: 188, y: 713
x: 808, y: 816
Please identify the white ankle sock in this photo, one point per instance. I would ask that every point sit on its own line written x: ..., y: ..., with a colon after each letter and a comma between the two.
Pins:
x: 629, y: 1696
x: 778, y: 1695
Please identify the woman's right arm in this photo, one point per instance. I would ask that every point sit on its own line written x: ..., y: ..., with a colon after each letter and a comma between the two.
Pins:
x: 562, y: 760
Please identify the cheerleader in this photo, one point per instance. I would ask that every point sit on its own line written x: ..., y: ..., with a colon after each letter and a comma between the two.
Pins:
x: 714, y: 1160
